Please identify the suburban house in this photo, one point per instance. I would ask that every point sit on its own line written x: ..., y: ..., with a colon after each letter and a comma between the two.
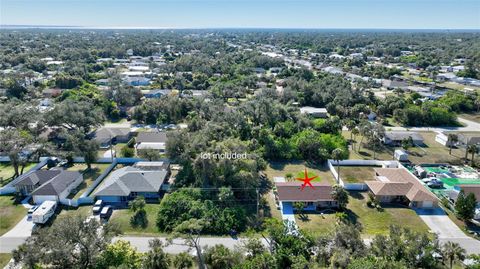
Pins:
x: 151, y: 140
x: 49, y: 185
x: 394, y: 84
x: 469, y: 138
x: 137, y: 81
x: 106, y: 136
x: 320, y: 196
x: 58, y: 187
x: 124, y: 184
x: 471, y: 188
x: 315, y: 112
x: 463, y: 138
x: 30, y: 182
x: 393, y: 138
x: 399, y: 185
x: 157, y: 93
x: 443, y: 139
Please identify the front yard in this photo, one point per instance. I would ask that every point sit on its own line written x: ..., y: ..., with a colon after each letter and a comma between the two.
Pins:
x: 4, y: 259
x: 122, y: 218
x: 316, y: 224
x: 89, y: 176
x: 376, y: 222
x: 10, y: 213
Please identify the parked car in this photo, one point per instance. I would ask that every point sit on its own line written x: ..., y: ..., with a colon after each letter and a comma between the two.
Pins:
x: 97, y: 207
x: 435, y: 184
x: 106, y: 212
x: 31, y: 210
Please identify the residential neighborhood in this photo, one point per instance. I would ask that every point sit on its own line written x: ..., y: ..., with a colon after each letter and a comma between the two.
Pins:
x: 239, y: 148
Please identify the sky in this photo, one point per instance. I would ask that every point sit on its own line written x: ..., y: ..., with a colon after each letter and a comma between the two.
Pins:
x: 322, y: 14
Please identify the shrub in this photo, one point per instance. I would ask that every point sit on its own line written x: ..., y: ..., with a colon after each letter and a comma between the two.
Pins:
x: 127, y: 152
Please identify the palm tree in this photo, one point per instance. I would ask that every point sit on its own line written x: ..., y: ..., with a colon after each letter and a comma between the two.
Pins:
x: 340, y: 195
x: 337, y: 155
x: 350, y: 124
x: 355, y: 132
x: 472, y: 149
x: 452, y: 139
x: 453, y: 252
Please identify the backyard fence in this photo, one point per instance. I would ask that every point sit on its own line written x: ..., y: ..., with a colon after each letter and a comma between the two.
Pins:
x: 356, y: 186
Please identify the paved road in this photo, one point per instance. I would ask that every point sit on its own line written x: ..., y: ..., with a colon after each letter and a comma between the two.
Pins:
x: 178, y: 245
x: 447, y: 230
x: 470, y: 126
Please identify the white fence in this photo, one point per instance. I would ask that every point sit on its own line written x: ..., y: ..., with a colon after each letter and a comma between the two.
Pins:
x: 357, y: 186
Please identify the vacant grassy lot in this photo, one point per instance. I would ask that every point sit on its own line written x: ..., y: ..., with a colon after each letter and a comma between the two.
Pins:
x: 356, y: 174
x: 316, y: 224
x: 457, y: 86
x: 4, y: 259
x: 431, y: 152
x: 89, y: 176
x: 7, y: 172
x: 10, y: 213
x: 296, y: 169
x: 376, y: 222
x: 473, y: 117
x: 122, y: 218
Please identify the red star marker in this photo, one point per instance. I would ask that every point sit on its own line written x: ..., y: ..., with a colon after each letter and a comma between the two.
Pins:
x: 306, y: 180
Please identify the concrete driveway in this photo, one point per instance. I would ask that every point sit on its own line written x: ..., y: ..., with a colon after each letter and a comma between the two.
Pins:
x: 438, y: 221
x: 22, y: 229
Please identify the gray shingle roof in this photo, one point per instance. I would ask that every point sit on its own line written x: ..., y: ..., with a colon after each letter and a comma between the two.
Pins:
x: 125, y: 180
x: 398, y: 136
x: 58, y: 184
x: 38, y: 177
x: 104, y: 134
x: 151, y: 137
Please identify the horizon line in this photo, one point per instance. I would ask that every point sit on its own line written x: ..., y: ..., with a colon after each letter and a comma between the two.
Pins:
x: 26, y: 26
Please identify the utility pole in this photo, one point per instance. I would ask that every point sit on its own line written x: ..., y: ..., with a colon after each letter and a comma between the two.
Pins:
x: 258, y: 200
x: 111, y: 149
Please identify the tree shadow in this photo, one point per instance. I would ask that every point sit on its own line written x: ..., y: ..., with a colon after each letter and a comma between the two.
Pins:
x: 364, y: 153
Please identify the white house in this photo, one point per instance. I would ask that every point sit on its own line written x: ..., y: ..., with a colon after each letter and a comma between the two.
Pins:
x: 315, y: 112
x: 59, y: 187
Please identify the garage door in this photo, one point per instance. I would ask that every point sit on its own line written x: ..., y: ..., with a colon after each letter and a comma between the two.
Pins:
x: 427, y: 204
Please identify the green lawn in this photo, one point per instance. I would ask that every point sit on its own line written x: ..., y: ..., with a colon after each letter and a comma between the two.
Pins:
x: 432, y: 152
x: 122, y: 218
x: 4, y: 259
x: 70, y: 211
x: 7, y: 172
x: 10, y: 213
x: 272, y: 210
x: 356, y: 174
x: 296, y: 168
x: 376, y: 222
x: 316, y: 224
x: 89, y: 176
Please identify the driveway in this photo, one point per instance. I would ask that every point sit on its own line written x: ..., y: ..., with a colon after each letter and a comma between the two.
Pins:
x: 22, y: 229
x: 16, y: 236
x: 439, y: 223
